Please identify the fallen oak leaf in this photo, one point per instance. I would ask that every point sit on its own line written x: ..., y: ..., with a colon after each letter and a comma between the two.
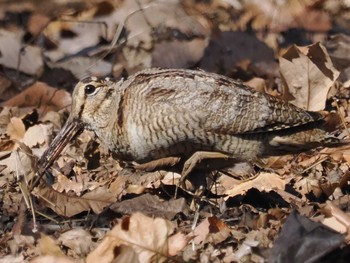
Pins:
x: 66, y: 205
x: 308, y: 74
x: 49, y: 247
x: 27, y: 59
x: 262, y: 182
x: 78, y: 240
x: 177, y: 242
x: 41, y: 95
x: 336, y: 219
x: 212, y: 229
x: 16, y: 129
x: 142, y: 238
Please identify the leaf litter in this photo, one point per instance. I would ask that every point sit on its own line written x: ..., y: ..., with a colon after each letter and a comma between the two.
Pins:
x: 91, y: 206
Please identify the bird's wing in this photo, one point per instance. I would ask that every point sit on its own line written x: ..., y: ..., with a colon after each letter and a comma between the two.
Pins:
x: 222, y: 105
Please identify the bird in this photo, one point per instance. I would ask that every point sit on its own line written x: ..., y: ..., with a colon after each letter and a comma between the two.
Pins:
x: 189, y: 114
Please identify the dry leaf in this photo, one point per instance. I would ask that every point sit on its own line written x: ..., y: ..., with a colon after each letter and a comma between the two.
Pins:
x: 37, y: 135
x: 143, y: 238
x: 41, y: 95
x: 263, y: 182
x: 14, y: 259
x: 48, y: 246
x: 82, y: 67
x: 308, y: 73
x: 79, y: 240
x: 66, y: 205
x: 337, y: 219
x: 158, y: 28
x: 16, y: 129
x: 15, y: 55
x: 18, y: 163
x: 52, y: 259
x: 257, y: 84
x: 177, y: 242
x: 63, y: 184
x: 307, y: 185
x: 211, y: 229
x: 83, y: 35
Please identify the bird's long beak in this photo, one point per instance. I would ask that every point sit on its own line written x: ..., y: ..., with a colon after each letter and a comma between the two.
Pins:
x: 70, y: 130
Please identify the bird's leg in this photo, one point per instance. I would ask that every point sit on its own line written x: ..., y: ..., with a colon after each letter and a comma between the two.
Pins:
x: 194, y: 160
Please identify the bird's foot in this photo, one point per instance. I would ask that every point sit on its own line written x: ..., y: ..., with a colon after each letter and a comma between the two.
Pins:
x: 193, y: 162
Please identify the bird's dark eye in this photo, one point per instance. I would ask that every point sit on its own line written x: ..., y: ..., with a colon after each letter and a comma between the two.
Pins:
x: 89, y: 89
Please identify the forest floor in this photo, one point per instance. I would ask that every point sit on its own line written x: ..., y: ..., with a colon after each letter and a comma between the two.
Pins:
x: 91, y: 207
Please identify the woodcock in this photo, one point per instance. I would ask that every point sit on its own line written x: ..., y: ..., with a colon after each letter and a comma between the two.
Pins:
x: 189, y: 114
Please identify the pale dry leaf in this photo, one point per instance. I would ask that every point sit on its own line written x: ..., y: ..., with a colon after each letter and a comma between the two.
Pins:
x: 307, y: 185
x: 339, y: 215
x: 257, y: 83
x: 117, y: 186
x: 37, y: 135
x: 52, y: 259
x: 20, y: 241
x: 201, y: 232
x: 41, y: 95
x: 170, y: 178
x: 63, y: 184
x: 177, y: 243
x: 13, y: 259
x: 77, y: 239
x: 84, y: 35
x: 48, y: 246
x: 225, y: 182
x: 337, y: 153
x: 144, y: 237
x: 17, y: 163
x: 308, y: 73
x: 27, y: 59
x: 334, y: 224
x: 263, y: 182
x: 111, y: 250
x: 84, y: 66
x: 157, y: 29
x: 248, y: 244
x: 234, y: 176
x: 66, y: 205
x: 211, y: 230
x: 52, y: 117
x: 16, y: 129
x: 135, y: 189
